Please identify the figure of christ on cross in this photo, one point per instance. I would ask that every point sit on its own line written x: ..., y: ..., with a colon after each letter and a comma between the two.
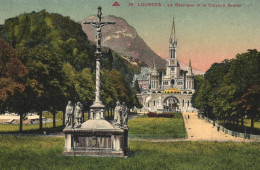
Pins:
x: 98, y: 25
x: 97, y: 107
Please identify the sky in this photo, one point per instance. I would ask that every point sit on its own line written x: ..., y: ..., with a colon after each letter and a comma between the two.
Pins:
x: 204, y: 34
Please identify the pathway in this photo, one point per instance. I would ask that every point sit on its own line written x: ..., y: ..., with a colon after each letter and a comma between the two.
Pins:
x: 200, y: 129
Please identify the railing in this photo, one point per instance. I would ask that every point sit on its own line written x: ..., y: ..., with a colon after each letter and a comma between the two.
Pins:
x: 230, y: 132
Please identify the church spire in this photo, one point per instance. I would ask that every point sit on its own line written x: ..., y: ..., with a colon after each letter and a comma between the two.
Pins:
x: 173, y: 43
x: 190, y: 68
x: 173, y: 37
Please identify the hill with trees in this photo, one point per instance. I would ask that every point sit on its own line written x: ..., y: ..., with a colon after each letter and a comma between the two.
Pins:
x: 59, y: 65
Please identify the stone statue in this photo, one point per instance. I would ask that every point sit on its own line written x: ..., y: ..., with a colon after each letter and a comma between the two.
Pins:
x: 78, y: 113
x: 117, y: 114
x: 124, y: 115
x: 68, y: 114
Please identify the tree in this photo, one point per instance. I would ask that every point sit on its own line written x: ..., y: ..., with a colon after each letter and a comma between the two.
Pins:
x: 109, y: 92
x: 198, y: 81
x: 12, y: 82
x: 12, y: 71
x: 85, y: 88
x: 242, y: 75
x: 230, y: 89
x: 136, y: 87
x: 250, y: 102
x: 107, y: 60
x: 45, y: 70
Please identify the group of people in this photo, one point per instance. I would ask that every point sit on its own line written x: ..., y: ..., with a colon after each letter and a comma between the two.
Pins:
x: 121, y: 115
x: 76, y: 111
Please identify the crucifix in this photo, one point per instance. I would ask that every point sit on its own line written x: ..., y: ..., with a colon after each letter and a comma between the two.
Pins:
x: 97, y: 109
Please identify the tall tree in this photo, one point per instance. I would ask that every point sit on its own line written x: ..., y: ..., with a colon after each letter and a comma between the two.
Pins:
x: 45, y: 69
x: 12, y: 82
x: 12, y: 71
x: 250, y: 102
x: 230, y: 89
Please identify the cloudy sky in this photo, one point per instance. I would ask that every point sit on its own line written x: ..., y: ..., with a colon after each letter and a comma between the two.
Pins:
x: 206, y: 34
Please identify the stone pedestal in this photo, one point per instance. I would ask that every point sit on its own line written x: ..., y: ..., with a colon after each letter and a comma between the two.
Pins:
x: 97, y: 111
x: 96, y: 138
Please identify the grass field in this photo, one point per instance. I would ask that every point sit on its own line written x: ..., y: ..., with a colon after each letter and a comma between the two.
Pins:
x: 45, y: 153
x: 150, y: 127
x: 34, y: 128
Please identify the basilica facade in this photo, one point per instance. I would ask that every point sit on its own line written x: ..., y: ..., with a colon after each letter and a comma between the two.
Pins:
x: 170, y: 90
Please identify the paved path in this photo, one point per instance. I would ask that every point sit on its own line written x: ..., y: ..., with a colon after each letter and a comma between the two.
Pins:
x: 200, y: 129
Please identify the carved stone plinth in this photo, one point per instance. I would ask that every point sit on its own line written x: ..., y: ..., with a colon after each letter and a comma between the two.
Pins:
x: 97, y: 111
x: 96, y: 138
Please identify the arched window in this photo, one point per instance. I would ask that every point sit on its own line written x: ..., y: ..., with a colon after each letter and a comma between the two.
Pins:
x: 188, y: 103
x: 172, y: 82
x: 183, y: 102
x: 154, y: 103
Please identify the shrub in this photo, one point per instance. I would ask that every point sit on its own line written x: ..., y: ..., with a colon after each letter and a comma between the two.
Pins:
x: 151, y: 114
x: 165, y: 115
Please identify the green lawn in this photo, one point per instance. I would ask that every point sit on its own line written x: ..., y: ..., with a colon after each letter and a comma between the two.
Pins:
x: 45, y: 153
x: 148, y: 127
x: 34, y: 128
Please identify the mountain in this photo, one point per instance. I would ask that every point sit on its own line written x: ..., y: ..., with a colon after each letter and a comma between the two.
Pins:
x: 124, y: 39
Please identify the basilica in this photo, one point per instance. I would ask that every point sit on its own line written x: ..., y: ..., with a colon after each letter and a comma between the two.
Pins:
x: 169, y: 90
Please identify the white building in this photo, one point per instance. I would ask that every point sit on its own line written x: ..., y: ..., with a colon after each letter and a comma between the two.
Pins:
x: 170, y: 91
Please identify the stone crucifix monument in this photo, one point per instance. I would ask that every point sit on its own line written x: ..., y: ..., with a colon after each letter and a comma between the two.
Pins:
x: 96, y: 136
x: 98, y: 109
